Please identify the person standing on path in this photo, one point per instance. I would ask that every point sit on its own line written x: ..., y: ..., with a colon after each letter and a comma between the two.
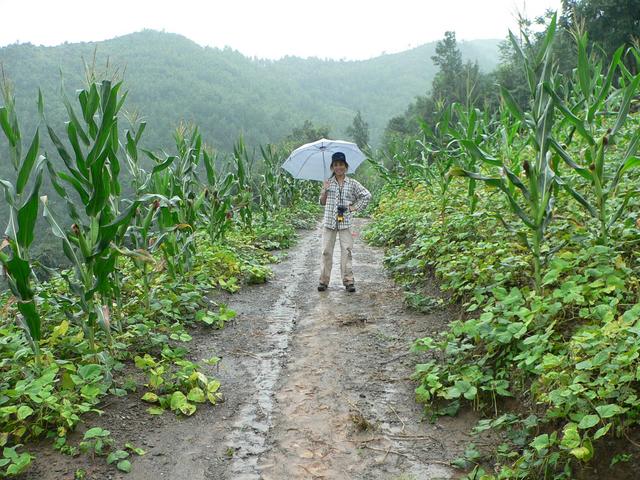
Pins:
x: 340, y: 196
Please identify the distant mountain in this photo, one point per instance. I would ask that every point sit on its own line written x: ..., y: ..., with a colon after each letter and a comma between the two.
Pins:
x: 170, y: 78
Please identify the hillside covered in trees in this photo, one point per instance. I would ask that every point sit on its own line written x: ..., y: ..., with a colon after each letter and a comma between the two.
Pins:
x: 170, y: 78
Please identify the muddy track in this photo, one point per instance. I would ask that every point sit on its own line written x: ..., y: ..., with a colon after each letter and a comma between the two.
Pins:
x: 316, y: 386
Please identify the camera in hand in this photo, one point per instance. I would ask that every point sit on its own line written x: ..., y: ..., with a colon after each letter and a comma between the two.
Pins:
x: 341, y: 211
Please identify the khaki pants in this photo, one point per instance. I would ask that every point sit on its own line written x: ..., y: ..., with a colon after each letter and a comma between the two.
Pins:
x: 346, y: 246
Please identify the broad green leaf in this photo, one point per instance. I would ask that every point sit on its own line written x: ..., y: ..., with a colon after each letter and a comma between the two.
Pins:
x: 188, y: 408
x: 96, y: 432
x: 134, y: 449
x: 117, y: 455
x: 541, y: 442
x: 24, y: 411
x: 585, y: 452
x: 72, y: 133
x: 178, y: 399
x: 20, y: 271
x: 150, y: 397
x: 196, y: 395
x: 602, y: 431
x: 608, y: 411
x: 32, y: 319
x: 124, y: 466
x: 90, y: 372
x: 571, y: 438
x: 75, y: 121
x: 588, y: 421
x: 213, y: 386
x: 66, y: 158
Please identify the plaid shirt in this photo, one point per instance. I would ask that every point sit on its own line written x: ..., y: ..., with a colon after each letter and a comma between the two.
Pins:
x: 351, y: 193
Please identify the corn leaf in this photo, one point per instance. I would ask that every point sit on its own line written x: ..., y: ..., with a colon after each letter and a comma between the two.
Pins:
x: 27, y: 164
x: 28, y: 213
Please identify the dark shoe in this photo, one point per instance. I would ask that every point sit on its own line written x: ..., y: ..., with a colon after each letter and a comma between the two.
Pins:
x: 322, y: 287
x: 350, y: 288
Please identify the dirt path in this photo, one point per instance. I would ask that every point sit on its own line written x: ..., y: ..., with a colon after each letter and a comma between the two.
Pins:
x: 316, y: 386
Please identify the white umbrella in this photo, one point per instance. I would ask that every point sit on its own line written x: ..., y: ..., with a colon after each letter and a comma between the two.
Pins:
x: 312, y: 160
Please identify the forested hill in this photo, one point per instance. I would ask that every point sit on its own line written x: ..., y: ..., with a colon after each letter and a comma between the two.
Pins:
x: 170, y: 78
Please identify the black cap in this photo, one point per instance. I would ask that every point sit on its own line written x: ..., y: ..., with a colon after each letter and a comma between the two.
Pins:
x: 338, y: 157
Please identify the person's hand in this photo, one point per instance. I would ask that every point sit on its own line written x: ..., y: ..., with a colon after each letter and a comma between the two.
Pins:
x: 351, y: 208
x: 325, y: 185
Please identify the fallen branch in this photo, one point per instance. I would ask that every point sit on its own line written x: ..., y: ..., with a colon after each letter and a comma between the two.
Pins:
x: 367, y: 440
x: 238, y: 351
x: 397, y: 436
x: 395, y: 452
x: 397, y: 357
x: 396, y: 413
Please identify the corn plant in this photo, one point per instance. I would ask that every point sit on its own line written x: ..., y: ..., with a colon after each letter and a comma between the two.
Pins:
x: 175, y: 177
x: 244, y: 192
x: 535, y: 196
x: 143, y: 240
x: 92, y: 171
x: 142, y: 236
x: 471, y: 130
x: 23, y: 212
x: 217, y: 202
x: 594, y: 96
x: 275, y: 189
x: 130, y: 150
x: 436, y: 155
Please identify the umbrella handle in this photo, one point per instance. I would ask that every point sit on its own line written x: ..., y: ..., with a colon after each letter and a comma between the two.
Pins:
x: 324, y: 168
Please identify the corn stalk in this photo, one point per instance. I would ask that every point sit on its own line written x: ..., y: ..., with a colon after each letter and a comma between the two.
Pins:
x: 244, y: 192
x: 217, y: 202
x: 175, y: 177
x: 92, y: 170
x: 23, y: 212
x: 534, y: 195
x: 594, y: 96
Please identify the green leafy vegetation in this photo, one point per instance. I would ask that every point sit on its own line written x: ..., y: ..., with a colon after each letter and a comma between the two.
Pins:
x: 541, y: 252
x: 140, y: 268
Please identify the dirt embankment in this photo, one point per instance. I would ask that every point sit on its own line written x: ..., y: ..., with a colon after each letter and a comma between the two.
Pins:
x: 316, y: 386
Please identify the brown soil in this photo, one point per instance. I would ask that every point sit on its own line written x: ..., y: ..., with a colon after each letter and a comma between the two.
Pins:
x: 316, y: 386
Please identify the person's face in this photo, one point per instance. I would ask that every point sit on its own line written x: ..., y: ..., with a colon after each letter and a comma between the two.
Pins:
x: 339, y: 168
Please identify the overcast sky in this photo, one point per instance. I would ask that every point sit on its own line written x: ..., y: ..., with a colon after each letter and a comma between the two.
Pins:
x: 339, y: 29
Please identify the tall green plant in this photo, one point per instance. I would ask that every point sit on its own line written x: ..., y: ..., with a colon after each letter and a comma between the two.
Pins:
x: 142, y: 234
x: 92, y: 176
x: 23, y: 212
x: 244, y: 194
x: 436, y: 157
x: 594, y: 98
x: 175, y: 177
x: 217, y: 203
x: 535, y: 195
x: 471, y: 128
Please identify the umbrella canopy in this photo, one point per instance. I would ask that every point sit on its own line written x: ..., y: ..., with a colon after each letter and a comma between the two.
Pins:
x: 312, y: 160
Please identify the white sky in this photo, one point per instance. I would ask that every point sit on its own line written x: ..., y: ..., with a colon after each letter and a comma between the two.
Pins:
x: 339, y: 29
